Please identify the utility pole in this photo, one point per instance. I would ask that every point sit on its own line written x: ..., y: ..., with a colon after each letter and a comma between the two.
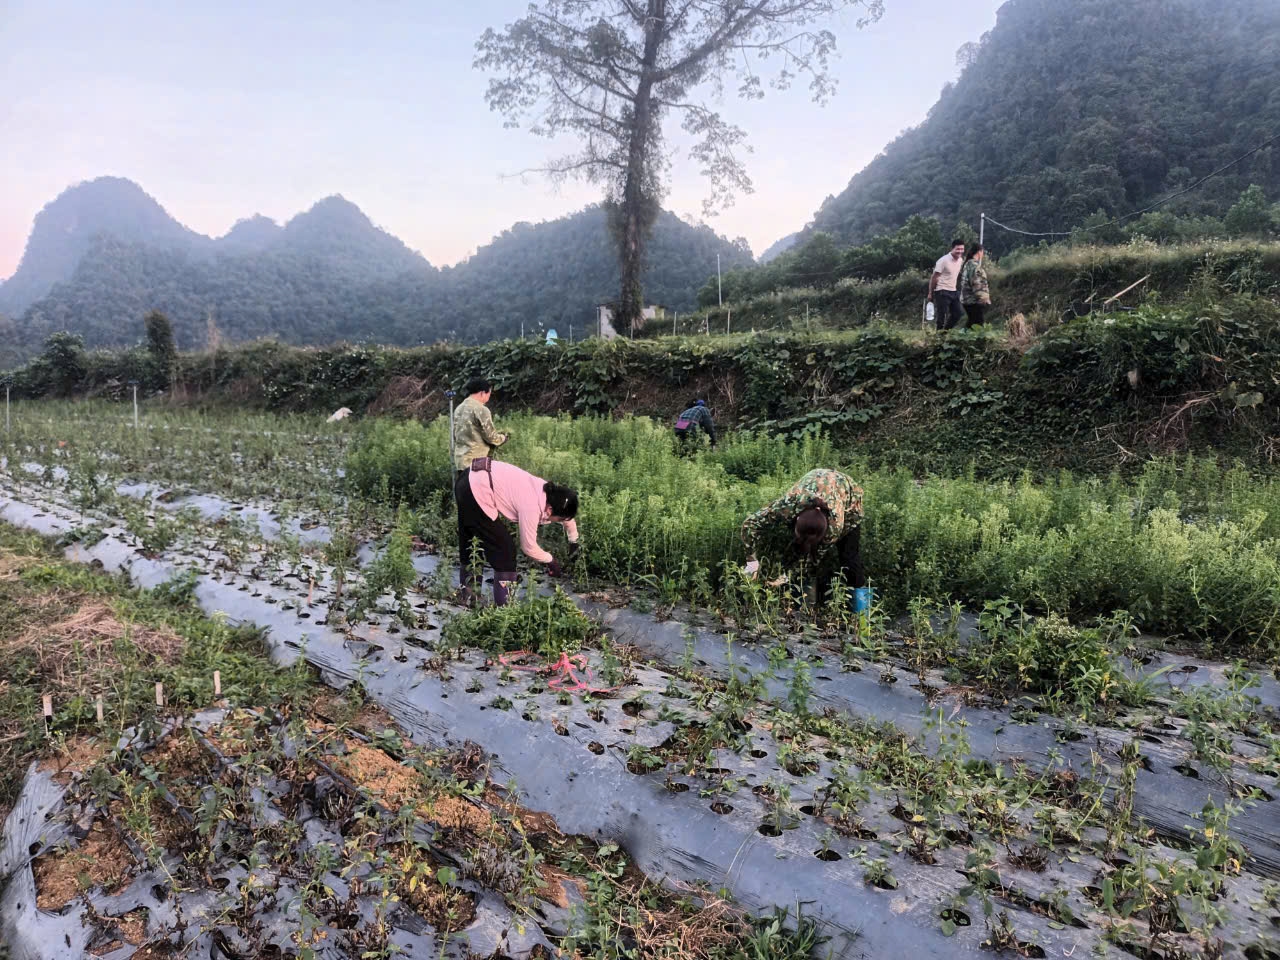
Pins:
x: 982, y: 230
x: 6, y: 406
x: 134, y: 384
x: 719, y: 288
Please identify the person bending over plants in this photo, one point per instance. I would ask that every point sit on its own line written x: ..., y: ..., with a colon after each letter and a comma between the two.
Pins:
x: 823, y: 508
x: 491, y: 491
x: 696, y: 417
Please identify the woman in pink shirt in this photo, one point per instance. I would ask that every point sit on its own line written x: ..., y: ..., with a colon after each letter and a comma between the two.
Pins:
x: 488, y: 493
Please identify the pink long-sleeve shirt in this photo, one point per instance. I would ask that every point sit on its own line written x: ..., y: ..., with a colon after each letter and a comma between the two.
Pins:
x: 517, y: 495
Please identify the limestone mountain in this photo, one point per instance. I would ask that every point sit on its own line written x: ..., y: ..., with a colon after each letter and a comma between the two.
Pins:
x: 327, y: 274
x: 1066, y: 109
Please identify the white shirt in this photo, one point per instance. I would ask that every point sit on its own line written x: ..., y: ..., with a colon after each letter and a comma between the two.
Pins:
x: 948, y: 270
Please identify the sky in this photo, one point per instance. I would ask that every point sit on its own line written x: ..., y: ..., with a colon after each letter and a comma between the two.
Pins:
x: 221, y: 109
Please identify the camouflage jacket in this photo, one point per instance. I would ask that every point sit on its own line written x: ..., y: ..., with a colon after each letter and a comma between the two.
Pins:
x: 473, y: 433
x: 834, y: 493
x: 974, y: 287
x: 699, y: 417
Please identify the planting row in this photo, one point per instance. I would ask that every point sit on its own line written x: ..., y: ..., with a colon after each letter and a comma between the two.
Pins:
x: 1186, y: 550
x: 942, y: 807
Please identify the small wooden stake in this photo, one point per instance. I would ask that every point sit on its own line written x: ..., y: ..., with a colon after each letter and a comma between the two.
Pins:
x: 98, y: 707
x: 217, y: 683
x: 48, y: 713
x: 159, y: 694
x: 311, y: 591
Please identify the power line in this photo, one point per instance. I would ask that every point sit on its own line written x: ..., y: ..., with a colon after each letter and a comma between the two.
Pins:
x: 1137, y: 213
x: 1026, y: 233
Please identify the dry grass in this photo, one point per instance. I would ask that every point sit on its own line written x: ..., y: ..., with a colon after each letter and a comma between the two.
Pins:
x: 1021, y: 332
x: 714, y: 929
x: 410, y: 397
x: 84, y: 649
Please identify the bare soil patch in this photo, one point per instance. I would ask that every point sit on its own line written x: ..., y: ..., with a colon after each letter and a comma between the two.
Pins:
x: 101, y: 859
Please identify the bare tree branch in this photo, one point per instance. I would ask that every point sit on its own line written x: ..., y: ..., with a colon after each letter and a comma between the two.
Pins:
x: 611, y: 72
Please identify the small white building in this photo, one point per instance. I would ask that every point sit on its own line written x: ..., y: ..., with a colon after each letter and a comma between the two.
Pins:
x: 606, y: 311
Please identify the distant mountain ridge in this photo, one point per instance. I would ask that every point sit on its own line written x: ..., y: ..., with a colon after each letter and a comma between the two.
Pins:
x: 103, y: 253
x: 334, y: 230
x: 65, y: 228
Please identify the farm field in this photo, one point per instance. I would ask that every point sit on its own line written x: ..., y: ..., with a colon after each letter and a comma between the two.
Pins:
x: 1055, y: 734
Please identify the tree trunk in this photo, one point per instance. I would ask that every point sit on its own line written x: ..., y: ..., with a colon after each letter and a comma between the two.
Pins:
x: 631, y: 237
x: 636, y: 214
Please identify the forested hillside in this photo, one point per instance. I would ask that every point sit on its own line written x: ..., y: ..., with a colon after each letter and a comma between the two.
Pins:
x: 1066, y: 109
x: 328, y: 274
x: 65, y: 229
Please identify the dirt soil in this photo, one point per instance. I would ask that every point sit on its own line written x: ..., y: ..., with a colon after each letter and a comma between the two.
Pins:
x: 369, y: 719
x: 398, y: 785
x: 131, y: 929
x: 76, y: 756
x: 433, y: 902
x: 100, y: 860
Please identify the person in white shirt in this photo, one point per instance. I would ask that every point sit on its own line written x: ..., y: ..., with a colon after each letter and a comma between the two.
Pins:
x: 944, y: 289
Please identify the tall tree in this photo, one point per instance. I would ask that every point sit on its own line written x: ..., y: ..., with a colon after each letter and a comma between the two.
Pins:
x: 610, y: 71
x: 162, y: 350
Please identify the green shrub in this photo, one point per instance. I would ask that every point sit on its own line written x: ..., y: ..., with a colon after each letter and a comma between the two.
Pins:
x: 398, y: 462
x: 1188, y: 549
x: 548, y: 625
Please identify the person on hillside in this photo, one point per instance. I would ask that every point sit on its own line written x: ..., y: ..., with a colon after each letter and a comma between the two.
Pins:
x: 694, y: 418
x: 473, y: 432
x: 823, y: 508
x: 975, y: 290
x: 944, y: 287
x: 490, y: 491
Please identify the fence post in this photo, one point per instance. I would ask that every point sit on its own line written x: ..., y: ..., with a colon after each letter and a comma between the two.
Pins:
x: 450, y: 394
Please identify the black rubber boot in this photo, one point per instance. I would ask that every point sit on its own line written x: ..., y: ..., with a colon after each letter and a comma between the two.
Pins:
x: 469, y: 594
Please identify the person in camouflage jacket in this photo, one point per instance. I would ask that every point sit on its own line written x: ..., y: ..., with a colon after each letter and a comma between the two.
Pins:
x: 824, y: 508
x: 975, y: 289
x: 474, y: 435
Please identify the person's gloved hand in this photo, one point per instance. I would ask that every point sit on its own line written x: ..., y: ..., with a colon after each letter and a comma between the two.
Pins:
x: 751, y: 570
x: 553, y: 568
x: 862, y: 600
x: 573, y: 551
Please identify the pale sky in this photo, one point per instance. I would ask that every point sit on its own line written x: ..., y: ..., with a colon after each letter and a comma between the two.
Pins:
x: 225, y: 108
